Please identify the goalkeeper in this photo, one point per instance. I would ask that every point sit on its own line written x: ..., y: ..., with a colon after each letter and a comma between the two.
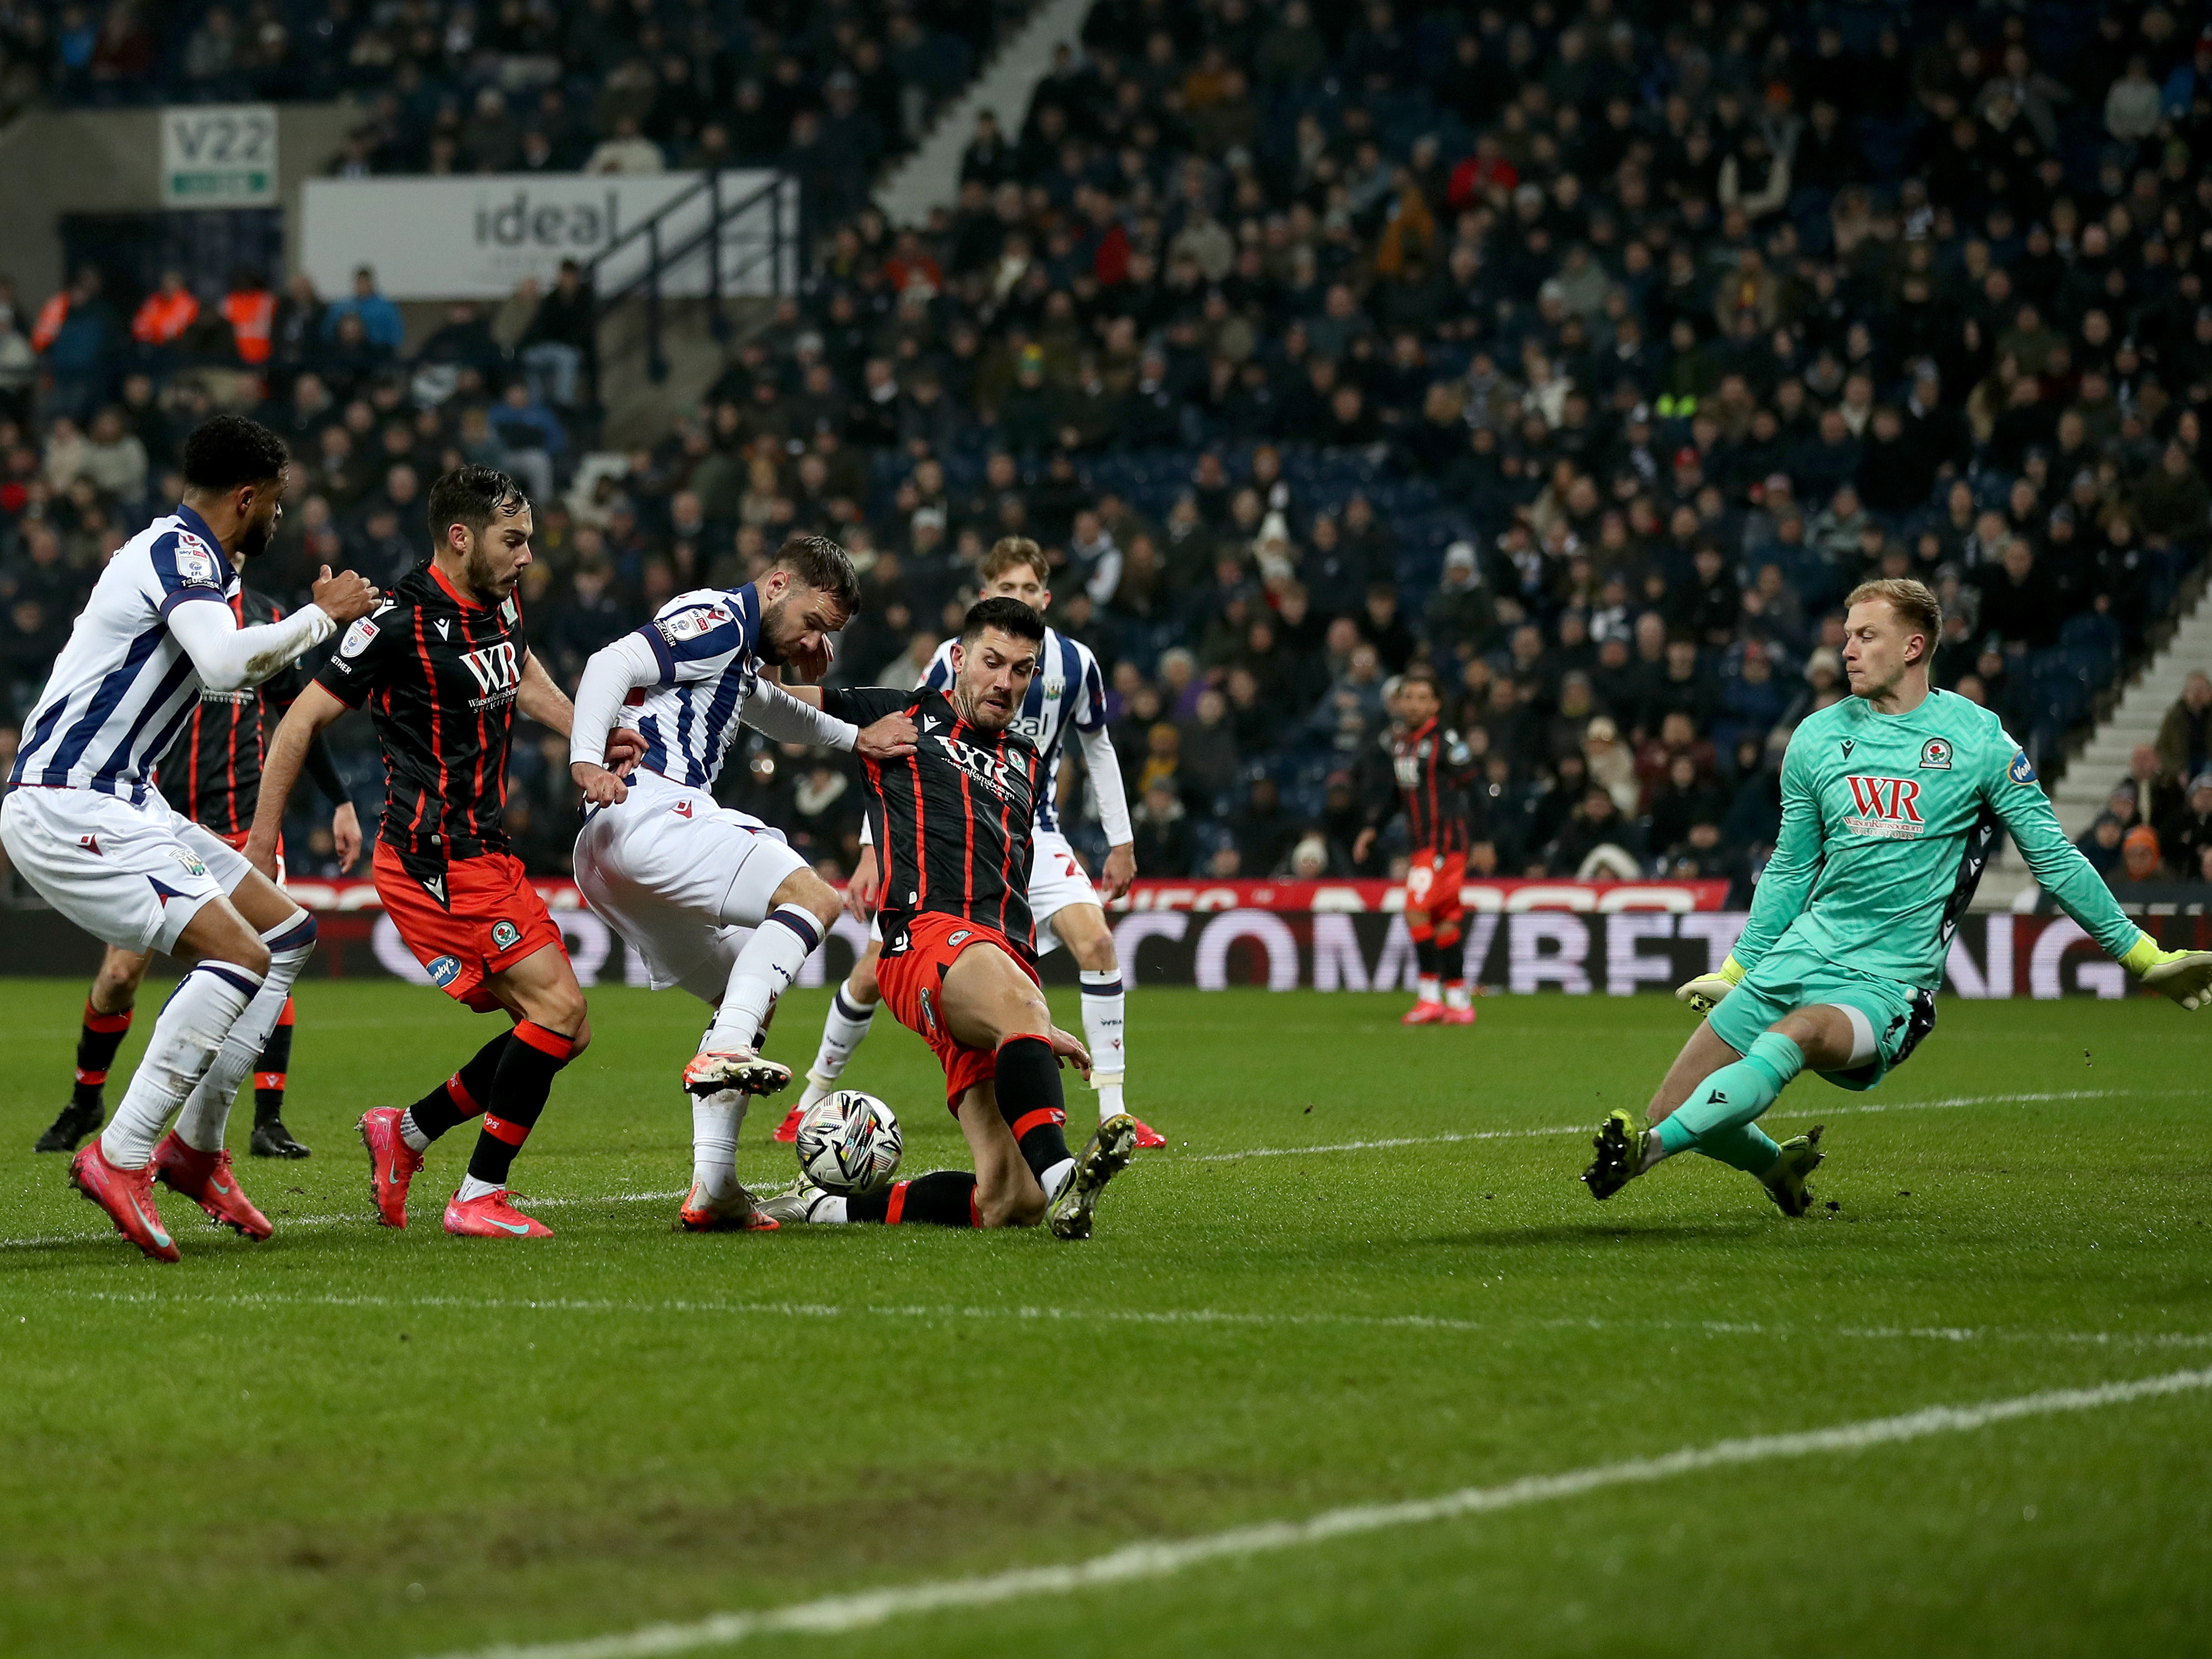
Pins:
x: 1892, y: 802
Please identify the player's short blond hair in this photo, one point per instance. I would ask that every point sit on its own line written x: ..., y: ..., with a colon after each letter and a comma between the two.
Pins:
x: 1009, y: 551
x: 1916, y: 605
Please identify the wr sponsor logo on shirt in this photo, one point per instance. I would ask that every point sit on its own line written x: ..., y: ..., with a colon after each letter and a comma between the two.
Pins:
x: 495, y: 668
x: 986, y: 768
x: 1885, y: 808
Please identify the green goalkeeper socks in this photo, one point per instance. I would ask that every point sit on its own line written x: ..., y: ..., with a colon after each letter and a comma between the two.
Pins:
x: 1718, y: 1119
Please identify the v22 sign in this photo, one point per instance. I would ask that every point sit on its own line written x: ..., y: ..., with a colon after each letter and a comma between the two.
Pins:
x: 219, y: 156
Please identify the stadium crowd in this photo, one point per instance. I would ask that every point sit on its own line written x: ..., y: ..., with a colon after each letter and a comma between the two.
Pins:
x: 1589, y: 356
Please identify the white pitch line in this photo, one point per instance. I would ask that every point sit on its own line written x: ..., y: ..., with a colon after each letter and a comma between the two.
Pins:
x: 1952, y: 1103
x: 1024, y: 1314
x: 286, y: 1223
x: 1162, y: 1557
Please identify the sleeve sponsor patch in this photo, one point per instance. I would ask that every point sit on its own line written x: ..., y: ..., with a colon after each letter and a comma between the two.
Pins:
x: 357, y: 638
x: 195, y: 562
x: 2022, y: 770
x: 696, y: 622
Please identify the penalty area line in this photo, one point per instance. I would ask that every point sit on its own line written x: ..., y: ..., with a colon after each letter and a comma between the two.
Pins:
x: 1162, y: 1557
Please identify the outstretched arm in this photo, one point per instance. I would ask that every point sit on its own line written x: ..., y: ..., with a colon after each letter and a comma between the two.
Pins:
x: 310, y: 713
x: 229, y: 658
x: 2061, y: 870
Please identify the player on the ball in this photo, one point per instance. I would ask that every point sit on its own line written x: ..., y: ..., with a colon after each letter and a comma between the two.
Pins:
x: 709, y: 898
x: 86, y: 827
x: 441, y: 668
x: 1892, y: 801
x: 1432, y: 767
x: 953, y: 823
x: 212, y: 776
x: 1068, y: 691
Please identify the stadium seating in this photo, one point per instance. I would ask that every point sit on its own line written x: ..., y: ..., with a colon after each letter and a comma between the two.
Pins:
x: 1609, y: 285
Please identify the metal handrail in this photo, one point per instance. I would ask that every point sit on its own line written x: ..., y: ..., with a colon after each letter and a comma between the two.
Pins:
x: 660, y: 260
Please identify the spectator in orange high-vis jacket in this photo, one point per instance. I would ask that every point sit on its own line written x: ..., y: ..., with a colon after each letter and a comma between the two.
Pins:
x: 169, y: 310
x: 251, y: 310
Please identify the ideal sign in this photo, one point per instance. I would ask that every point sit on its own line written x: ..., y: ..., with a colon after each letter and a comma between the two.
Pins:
x: 219, y: 156
x: 477, y: 238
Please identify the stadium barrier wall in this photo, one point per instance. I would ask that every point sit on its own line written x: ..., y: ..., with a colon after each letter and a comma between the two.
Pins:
x: 1523, y: 938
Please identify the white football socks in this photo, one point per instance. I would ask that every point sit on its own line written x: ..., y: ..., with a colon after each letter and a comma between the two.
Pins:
x: 1430, y: 991
x: 763, y: 971
x: 1056, y: 1177
x: 193, y: 1024
x: 715, y: 1121
x: 842, y: 1033
x: 472, y: 1188
x: 290, y: 944
x: 1105, y: 1005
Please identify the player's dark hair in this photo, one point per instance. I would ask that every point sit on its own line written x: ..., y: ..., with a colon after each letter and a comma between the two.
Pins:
x: 1008, y: 617
x: 225, y: 451
x: 473, y: 497
x: 1421, y: 674
x: 1009, y: 551
x: 824, y: 565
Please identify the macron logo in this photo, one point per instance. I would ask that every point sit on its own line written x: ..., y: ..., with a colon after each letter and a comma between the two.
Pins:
x: 445, y: 626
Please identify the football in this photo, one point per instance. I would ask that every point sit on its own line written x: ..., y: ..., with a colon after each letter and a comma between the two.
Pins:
x: 849, y: 1144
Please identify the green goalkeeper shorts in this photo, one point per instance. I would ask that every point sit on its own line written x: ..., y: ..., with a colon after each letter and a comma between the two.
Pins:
x: 1792, y: 975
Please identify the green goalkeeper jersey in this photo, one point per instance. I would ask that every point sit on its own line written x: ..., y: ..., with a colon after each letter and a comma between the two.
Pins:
x: 1887, y: 821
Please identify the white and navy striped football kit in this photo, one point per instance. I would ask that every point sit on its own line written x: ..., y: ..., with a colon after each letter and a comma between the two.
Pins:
x: 681, y: 878
x: 1068, y: 692
x: 124, y: 686
x: 707, y: 644
x: 82, y: 820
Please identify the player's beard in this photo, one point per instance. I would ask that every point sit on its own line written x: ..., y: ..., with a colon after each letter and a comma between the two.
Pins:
x: 774, y: 645
x: 481, y: 578
x: 254, y: 539
x: 973, y: 710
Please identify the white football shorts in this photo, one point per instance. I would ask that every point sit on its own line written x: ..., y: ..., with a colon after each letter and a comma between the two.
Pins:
x: 1057, y: 879
x: 132, y: 877
x: 676, y: 875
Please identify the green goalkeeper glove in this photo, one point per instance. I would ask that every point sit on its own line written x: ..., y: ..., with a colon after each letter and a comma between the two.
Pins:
x: 1707, y: 989
x: 2182, y: 976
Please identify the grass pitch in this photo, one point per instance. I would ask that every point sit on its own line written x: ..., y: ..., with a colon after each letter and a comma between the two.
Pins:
x: 353, y: 1442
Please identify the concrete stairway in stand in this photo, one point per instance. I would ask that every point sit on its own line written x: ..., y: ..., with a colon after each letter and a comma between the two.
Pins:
x: 2090, y: 773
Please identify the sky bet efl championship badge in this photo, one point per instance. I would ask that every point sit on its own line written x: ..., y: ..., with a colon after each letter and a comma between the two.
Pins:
x: 195, y: 562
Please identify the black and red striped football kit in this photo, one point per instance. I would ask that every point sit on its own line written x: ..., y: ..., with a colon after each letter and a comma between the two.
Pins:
x: 1434, y: 769
x: 438, y: 672
x: 950, y: 822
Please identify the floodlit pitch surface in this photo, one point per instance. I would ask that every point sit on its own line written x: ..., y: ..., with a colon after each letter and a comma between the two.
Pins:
x: 348, y: 1441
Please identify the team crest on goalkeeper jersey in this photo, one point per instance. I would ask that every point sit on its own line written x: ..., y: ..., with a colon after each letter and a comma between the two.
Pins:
x: 1885, y: 808
x: 1935, y: 755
